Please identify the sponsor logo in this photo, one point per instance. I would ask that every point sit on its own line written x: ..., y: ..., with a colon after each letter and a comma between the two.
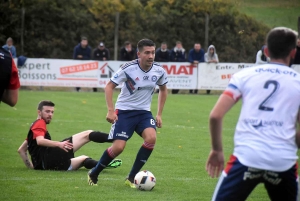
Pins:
x: 154, y: 78
x: 106, y: 71
x: 179, y: 70
x: 122, y: 134
x: 242, y: 66
x: 146, y: 78
x: 268, y: 176
x: 226, y: 76
x: 116, y: 75
x: 226, y: 67
x: 137, y: 79
x: 146, y: 88
x: 277, y: 71
x: 79, y: 68
x: 258, y: 123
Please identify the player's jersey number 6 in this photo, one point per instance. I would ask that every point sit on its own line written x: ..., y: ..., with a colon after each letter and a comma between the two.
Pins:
x: 262, y: 106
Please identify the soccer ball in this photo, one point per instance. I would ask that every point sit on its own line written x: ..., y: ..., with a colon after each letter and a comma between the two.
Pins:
x: 144, y: 180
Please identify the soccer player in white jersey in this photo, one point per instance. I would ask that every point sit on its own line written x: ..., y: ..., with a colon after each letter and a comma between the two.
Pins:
x: 132, y: 109
x: 265, y: 148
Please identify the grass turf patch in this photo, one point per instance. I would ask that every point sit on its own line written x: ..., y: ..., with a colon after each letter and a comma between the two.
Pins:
x: 178, y: 160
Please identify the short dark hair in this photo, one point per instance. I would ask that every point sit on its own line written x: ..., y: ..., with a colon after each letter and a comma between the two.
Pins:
x: 127, y: 43
x: 145, y: 42
x: 164, y: 43
x: 178, y: 42
x: 83, y: 38
x: 280, y: 42
x: 45, y: 103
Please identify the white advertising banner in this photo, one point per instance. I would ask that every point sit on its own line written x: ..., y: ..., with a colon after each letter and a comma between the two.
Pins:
x: 216, y: 76
x: 181, y: 75
x: 59, y: 72
x: 88, y: 73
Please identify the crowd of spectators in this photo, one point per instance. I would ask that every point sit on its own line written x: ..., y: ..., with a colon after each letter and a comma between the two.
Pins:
x: 195, y: 55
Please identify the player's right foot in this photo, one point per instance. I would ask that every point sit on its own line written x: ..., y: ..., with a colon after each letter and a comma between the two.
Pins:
x: 92, y: 181
x: 129, y: 182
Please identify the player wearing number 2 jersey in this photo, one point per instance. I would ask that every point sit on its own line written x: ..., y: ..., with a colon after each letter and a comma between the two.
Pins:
x: 132, y: 110
x: 265, y: 149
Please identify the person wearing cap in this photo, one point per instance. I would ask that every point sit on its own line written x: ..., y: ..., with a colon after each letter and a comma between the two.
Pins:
x: 9, y: 47
x: 101, y: 53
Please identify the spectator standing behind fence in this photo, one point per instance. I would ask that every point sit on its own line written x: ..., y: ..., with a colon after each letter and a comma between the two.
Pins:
x: 162, y: 54
x: 127, y: 53
x: 9, y: 47
x: 82, y: 52
x: 261, y: 58
x: 177, y: 55
x: 196, y: 55
x: 101, y: 53
x: 211, y: 56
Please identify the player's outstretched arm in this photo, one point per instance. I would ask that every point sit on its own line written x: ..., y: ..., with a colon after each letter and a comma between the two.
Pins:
x: 215, y: 162
x: 65, y: 145
x: 23, y: 154
x: 162, y: 97
x: 111, y: 117
x: 10, y: 97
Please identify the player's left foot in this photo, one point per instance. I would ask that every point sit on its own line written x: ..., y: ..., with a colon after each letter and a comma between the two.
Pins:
x: 129, y: 182
x: 114, y: 164
x: 92, y: 181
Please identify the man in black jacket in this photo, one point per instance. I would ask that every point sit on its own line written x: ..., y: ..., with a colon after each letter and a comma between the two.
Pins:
x: 127, y: 53
x: 163, y: 53
x: 101, y: 53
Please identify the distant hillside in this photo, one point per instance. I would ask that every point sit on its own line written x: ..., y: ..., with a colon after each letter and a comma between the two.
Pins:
x: 272, y: 12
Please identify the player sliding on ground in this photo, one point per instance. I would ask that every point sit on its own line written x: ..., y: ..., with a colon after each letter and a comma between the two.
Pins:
x: 132, y: 110
x: 53, y: 155
x: 265, y: 148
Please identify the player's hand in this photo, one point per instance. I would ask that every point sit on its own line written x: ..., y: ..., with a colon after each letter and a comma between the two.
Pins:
x: 215, y: 163
x: 158, y: 121
x: 111, y: 117
x: 66, y: 145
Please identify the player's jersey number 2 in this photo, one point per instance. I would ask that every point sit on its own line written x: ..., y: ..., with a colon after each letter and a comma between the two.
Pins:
x: 263, y: 105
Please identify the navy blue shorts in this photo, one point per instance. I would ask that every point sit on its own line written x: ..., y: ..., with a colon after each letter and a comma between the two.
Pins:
x: 237, y: 182
x: 130, y: 121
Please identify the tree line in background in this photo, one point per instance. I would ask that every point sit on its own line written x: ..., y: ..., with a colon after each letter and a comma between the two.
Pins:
x: 52, y: 28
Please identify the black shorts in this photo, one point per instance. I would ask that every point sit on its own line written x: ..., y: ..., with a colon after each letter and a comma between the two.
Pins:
x: 57, y: 159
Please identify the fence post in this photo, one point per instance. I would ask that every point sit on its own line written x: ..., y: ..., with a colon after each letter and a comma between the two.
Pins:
x: 116, y: 36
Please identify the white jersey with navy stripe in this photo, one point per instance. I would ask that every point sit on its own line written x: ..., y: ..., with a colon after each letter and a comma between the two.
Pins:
x: 265, y: 133
x: 139, y: 85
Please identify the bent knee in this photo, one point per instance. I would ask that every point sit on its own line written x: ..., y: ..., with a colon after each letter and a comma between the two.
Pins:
x: 88, y: 132
x: 150, y: 138
x: 83, y: 157
x: 118, y: 149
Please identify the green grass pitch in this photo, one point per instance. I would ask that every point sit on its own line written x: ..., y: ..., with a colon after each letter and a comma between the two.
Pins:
x: 178, y: 160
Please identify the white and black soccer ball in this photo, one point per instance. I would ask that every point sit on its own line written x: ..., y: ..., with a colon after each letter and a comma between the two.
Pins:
x: 144, y: 180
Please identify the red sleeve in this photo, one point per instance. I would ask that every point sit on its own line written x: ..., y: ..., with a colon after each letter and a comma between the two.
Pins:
x: 39, y: 128
x: 14, y: 82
